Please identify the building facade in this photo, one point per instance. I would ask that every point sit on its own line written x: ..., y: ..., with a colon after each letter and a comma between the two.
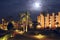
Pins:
x: 50, y: 20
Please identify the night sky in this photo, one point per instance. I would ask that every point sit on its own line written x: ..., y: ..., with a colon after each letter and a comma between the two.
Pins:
x: 14, y: 7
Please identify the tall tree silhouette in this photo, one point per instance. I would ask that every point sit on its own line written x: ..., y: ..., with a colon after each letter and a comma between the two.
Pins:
x: 10, y: 26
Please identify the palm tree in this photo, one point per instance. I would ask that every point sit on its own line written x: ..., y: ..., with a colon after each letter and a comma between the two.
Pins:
x: 25, y: 18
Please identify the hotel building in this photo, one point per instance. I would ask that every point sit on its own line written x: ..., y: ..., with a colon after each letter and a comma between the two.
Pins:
x: 50, y: 20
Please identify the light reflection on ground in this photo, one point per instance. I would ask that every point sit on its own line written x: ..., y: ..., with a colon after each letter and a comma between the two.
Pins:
x: 5, y: 37
x: 19, y: 32
x: 40, y: 36
x: 37, y: 37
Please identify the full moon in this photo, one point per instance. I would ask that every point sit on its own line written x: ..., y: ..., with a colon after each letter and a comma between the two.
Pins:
x: 37, y: 5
